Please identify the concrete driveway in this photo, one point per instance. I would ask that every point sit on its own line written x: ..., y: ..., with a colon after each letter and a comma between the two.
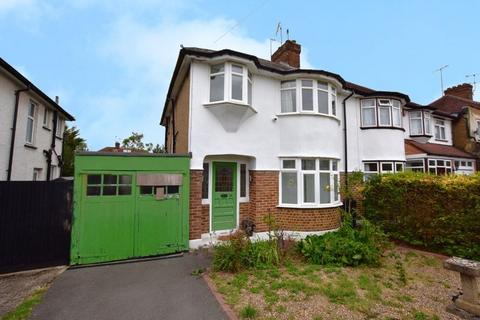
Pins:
x: 155, y: 289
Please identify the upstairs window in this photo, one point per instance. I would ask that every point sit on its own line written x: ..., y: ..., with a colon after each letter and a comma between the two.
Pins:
x: 381, y: 113
x: 289, y: 96
x: 415, y: 123
x: 427, y: 122
x: 230, y: 82
x: 314, y: 97
x: 31, y: 123
x: 47, y: 118
x: 440, y: 130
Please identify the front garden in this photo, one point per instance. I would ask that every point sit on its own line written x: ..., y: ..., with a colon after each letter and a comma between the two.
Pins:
x: 359, y: 273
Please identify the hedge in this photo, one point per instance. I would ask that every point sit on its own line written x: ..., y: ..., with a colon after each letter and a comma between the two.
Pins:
x: 440, y: 213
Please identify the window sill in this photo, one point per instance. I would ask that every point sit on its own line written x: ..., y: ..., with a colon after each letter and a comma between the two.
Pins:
x: 421, y: 135
x: 47, y: 128
x: 383, y: 127
x: 30, y: 146
x: 441, y: 140
x: 315, y: 114
x: 315, y: 206
x: 59, y: 138
x: 229, y: 102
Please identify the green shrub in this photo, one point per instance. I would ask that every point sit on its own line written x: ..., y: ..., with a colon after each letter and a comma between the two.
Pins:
x: 239, y: 253
x: 345, y: 247
x: 440, y: 213
x: 248, y: 312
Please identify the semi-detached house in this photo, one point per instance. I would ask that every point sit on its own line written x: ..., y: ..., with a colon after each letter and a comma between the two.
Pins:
x: 268, y: 137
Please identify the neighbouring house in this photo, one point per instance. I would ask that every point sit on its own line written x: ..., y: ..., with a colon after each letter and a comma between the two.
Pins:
x: 31, y: 129
x: 268, y: 137
x: 444, y: 136
x: 116, y: 148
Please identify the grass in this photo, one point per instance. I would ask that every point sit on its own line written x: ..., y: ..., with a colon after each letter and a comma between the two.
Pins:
x: 24, y: 310
x: 365, y: 292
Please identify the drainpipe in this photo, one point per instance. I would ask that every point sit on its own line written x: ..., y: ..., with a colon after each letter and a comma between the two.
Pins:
x: 174, y: 134
x: 345, y: 150
x: 52, y: 145
x: 14, y: 130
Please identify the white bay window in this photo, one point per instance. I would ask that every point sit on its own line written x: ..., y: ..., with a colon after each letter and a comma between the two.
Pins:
x: 230, y: 82
x: 315, y: 97
x: 381, y: 113
x: 309, y: 182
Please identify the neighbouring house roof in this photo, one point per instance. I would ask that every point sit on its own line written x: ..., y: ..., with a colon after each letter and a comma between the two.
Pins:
x: 17, y: 75
x: 268, y: 65
x: 453, y: 105
x: 120, y: 150
x: 414, y: 147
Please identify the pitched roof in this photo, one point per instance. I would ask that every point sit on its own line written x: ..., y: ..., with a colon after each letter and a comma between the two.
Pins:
x: 453, y: 105
x: 412, y: 147
x: 13, y: 72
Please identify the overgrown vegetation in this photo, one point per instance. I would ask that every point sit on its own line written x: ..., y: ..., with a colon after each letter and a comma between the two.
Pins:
x: 345, y: 247
x: 440, y: 213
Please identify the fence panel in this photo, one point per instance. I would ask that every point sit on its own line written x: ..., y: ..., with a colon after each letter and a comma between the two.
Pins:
x: 35, y: 224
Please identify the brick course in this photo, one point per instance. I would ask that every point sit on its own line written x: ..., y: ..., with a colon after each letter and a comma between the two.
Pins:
x: 199, y: 214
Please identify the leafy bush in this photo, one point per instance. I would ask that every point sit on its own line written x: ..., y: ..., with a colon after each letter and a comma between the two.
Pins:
x: 345, y: 247
x: 440, y: 213
x: 238, y: 253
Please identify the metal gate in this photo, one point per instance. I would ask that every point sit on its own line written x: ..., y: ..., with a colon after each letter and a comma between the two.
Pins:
x: 129, y: 206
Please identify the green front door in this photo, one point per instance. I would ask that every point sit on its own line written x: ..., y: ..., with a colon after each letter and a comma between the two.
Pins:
x: 159, y: 221
x: 224, y: 196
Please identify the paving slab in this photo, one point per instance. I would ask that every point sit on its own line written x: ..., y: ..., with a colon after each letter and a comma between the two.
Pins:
x: 154, y: 289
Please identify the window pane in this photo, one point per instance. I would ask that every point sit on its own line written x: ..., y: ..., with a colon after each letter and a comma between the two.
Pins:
x: 309, y: 188
x: 288, y: 84
x: 334, y: 165
x: 307, y: 83
x: 237, y: 69
x: 93, y: 191
x: 308, y: 164
x: 205, y: 181
x: 125, y: 179
x: 396, y: 117
x: 124, y: 190
x: 94, y: 179
x: 249, y: 92
x: 289, y: 187
x: 217, y: 68
x: 322, y: 85
x: 146, y: 190
x: 109, y: 179
x: 368, y: 103
x: 109, y: 190
x: 237, y: 87
x: 335, y: 187
x: 307, y: 99
x: 288, y: 164
x: 440, y: 163
x: 322, y: 102
x: 399, y: 167
x: 29, y: 136
x: 334, y: 104
x: 368, y: 116
x: 371, y: 166
x: 324, y: 187
x: 384, y: 116
x: 415, y: 126
x: 289, y: 102
x: 173, y: 189
x: 387, y: 167
x: 324, y: 164
x: 243, y: 180
x: 223, y: 179
x: 31, y: 110
x: 217, y: 87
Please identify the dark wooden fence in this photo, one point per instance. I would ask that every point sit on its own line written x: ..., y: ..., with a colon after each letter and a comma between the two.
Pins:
x: 35, y: 224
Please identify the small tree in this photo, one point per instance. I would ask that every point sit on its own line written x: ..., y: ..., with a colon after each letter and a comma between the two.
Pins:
x: 135, y: 143
x: 72, y: 143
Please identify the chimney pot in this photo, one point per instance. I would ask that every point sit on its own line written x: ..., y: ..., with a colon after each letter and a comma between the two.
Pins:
x: 117, y: 145
x: 288, y: 53
x: 57, y: 100
x: 464, y: 90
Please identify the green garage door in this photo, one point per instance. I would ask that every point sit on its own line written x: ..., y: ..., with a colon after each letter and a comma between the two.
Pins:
x: 122, y: 214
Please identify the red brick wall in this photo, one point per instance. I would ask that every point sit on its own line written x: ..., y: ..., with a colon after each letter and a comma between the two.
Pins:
x: 264, y: 200
x: 199, y: 214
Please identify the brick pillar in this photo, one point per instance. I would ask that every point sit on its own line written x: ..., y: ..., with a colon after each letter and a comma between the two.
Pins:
x: 199, y: 214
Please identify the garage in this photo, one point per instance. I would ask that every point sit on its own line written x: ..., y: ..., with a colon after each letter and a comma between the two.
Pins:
x: 129, y: 205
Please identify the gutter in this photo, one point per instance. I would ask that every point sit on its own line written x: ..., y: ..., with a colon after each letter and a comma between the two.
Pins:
x: 14, y: 130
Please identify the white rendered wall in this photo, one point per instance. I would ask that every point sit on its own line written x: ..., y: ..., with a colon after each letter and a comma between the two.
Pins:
x: 448, y: 130
x: 267, y: 135
x: 24, y: 159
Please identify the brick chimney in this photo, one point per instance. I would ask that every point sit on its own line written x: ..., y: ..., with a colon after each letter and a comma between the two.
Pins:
x: 288, y: 53
x: 464, y: 90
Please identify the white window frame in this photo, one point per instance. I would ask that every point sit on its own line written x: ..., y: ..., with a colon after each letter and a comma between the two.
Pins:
x: 47, y: 118
x: 436, y: 165
x: 411, y: 168
x: 427, y: 128
x: 247, y: 181
x: 247, y: 78
x: 363, y: 107
x: 441, y: 124
x: 417, y: 118
x: 380, y: 169
x: 294, y: 89
x: 60, y: 126
x: 31, y: 140
x: 300, y: 183
x: 397, y: 107
x: 331, y: 95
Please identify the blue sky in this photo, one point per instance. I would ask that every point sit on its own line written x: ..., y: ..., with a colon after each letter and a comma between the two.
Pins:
x: 111, y: 61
